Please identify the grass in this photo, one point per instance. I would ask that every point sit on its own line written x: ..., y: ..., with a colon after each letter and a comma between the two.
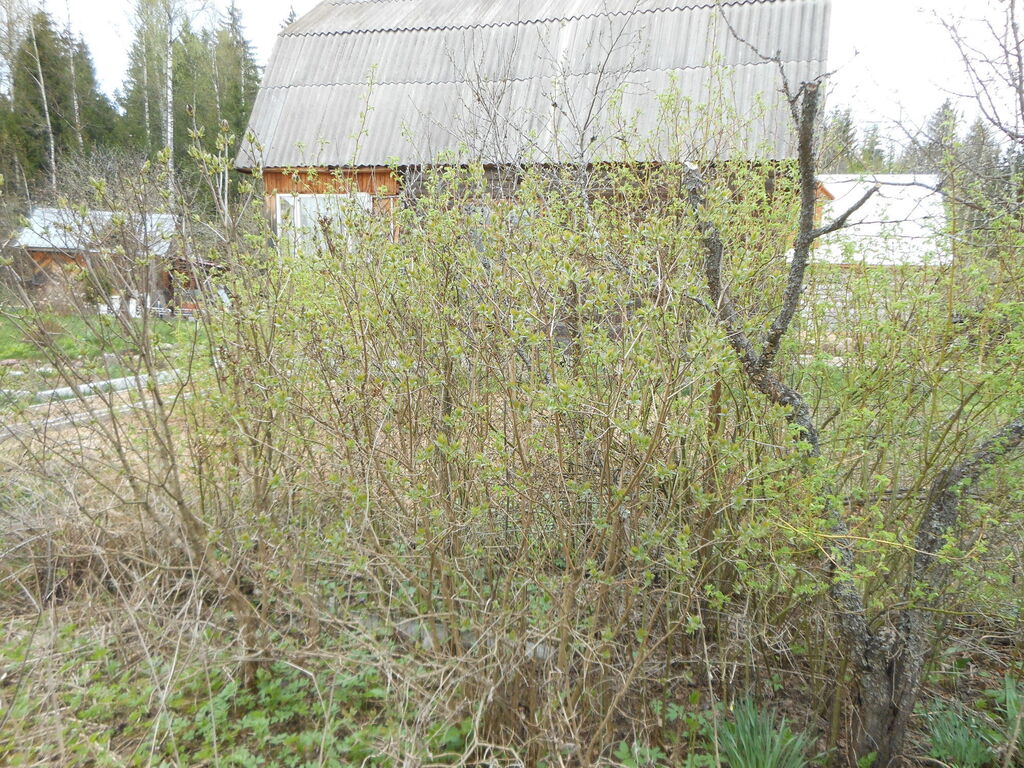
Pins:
x: 118, y: 702
x: 756, y: 738
x: 26, y: 338
x: 959, y: 740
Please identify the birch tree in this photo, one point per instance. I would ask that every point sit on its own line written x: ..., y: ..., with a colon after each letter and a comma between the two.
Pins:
x: 150, y: 100
x: 38, y: 88
x: 56, y: 107
x: 76, y: 107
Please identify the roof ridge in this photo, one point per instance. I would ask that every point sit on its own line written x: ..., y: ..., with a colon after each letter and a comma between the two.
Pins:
x: 630, y: 70
x: 684, y: 6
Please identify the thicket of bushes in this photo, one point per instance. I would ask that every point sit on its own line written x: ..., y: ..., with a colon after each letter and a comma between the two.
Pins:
x: 499, y: 491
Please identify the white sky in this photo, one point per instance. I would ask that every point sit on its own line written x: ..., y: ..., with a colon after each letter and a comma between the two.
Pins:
x: 893, y: 60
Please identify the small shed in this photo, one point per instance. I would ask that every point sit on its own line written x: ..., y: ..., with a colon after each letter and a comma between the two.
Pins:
x: 60, y: 235
x: 903, y: 224
x: 55, y: 239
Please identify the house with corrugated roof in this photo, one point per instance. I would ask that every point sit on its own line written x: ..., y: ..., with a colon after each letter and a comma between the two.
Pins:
x: 61, y: 240
x: 367, y: 93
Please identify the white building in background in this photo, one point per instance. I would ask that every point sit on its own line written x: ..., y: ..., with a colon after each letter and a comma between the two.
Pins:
x: 903, y: 224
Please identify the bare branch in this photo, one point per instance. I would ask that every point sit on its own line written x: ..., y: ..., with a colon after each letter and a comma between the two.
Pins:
x: 840, y: 221
x: 805, y: 226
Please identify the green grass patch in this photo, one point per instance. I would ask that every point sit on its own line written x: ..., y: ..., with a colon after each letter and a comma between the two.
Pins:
x: 37, y: 337
x: 116, y: 710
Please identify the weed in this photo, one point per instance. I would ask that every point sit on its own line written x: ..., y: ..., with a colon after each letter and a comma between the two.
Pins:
x: 638, y: 755
x: 959, y: 739
x: 757, y: 738
x: 1010, y: 704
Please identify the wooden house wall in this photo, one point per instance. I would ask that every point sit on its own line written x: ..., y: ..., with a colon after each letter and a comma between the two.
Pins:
x: 382, y: 183
x: 47, y: 264
x: 47, y: 260
x: 385, y: 184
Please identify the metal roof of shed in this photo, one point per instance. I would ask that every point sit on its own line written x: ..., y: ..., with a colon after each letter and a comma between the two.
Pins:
x: 69, y: 231
x: 379, y: 82
x: 903, y: 224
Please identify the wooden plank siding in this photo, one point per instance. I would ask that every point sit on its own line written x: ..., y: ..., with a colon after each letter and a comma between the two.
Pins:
x: 47, y: 260
x: 382, y: 183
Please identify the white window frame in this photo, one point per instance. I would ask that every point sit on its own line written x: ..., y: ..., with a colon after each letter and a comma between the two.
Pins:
x: 296, y: 228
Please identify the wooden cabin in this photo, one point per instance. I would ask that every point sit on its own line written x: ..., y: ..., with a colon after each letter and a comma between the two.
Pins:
x: 359, y: 96
x: 61, y: 242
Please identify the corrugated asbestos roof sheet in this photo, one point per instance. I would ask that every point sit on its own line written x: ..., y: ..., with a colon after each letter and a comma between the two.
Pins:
x: 69, y: 231
x: 407, y: 82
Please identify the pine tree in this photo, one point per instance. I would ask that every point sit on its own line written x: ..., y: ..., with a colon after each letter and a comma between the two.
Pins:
x: 11, y: 155
x: 41, y: 96
x: 979, y: 153
x: 141, y: 98
x: 56, y: 108
x: 15, y: 16
x: 871, y: 154
x: 14, y: 20
x: 98, y: 118
x: 931, y: 152
x: 838, y: 142
x: 195, y: 90
x: 150, y: 98
x: 214, y: 80
x: 983, y: 175
x: 236, y: 73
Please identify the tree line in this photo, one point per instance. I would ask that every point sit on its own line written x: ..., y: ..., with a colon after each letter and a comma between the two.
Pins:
x: 944, y: 144
x: 191, y: 82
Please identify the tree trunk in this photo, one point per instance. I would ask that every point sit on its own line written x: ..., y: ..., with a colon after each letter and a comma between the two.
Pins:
x: 886, y: 693
x: 76, y: 109
x: 50, y: 139
x: 75, y: 106
x: 894, y: 657
x: 888, y: 662
x: 169, y: 100
x: 146, y: 118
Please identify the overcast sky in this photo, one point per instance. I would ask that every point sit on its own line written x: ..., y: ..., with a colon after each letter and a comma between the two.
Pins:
x: 893, y: 60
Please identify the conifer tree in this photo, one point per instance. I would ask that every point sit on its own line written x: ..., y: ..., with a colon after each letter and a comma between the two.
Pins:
x: 140, y: 95
x: 930, y: 151
x: 97, y: 116
x: 41, y: 96
x: 57, y: 107
x: 838, y: 142
x: 14, y: 20
x: 872, y: 156
x: 235, y: 71
x: 980, y: 152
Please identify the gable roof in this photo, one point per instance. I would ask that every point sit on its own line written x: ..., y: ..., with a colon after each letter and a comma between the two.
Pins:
x: 379, y: 82
x: 67, y: 231
x: 903, y: 224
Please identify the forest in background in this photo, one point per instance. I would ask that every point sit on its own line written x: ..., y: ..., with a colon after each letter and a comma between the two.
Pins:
x: 190, y: 86
x: 193, y: 77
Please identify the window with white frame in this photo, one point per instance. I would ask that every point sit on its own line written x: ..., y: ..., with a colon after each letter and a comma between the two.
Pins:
x: 304, y: 218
